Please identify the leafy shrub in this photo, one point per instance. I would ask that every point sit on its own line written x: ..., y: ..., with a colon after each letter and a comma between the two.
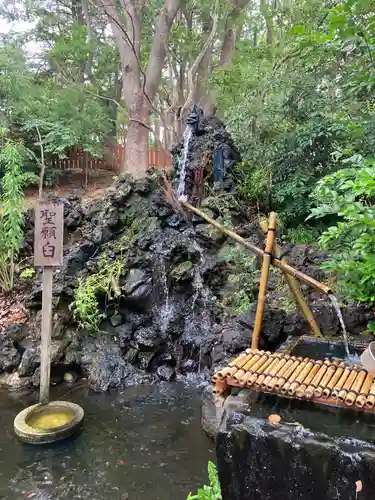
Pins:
x: 211, y: 492
x: 350, y: 194
x: 11, y: 219
x: 105, y: 281
x: 301, y: 235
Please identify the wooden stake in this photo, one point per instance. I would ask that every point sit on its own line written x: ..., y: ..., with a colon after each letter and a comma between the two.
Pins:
x: 257, y: 251
x: 267, y: 258
x: 295, y: 289
x: 45, y: 348
x: 48, y: 252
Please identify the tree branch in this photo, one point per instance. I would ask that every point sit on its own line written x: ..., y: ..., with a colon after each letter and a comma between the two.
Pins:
x: 193, y: 70
x: 158, y: 47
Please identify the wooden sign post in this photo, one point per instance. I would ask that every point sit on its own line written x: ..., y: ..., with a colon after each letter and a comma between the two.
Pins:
x: 48, y: 253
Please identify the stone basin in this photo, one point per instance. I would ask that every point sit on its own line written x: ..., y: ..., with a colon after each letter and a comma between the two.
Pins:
x: 314, y: 452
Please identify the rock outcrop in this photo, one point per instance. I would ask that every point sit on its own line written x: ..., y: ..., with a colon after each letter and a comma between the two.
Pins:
x: 146, y: 294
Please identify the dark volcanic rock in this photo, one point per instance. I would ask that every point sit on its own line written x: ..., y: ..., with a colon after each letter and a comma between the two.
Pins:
x: 167, y: 313
x: 290, y: 461
x: 210, y: 145
x: 108, y: 369
x: 9, y: 355
x: 148, y: 337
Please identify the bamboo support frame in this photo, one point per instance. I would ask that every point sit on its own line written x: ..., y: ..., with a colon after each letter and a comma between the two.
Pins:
x: 267, y: 258
x: 257, y: 251
x: 295, y: 289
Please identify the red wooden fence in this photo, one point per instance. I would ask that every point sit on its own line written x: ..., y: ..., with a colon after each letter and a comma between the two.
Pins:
x: 113, y: 159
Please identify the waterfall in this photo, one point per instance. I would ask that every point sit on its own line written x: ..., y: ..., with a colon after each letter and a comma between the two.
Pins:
x: 200, y: 290
x: 183, y: 161
x: 337, y: 308
x: 166, y: 310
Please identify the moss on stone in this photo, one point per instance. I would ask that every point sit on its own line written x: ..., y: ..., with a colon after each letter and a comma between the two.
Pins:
x: 182, y: 271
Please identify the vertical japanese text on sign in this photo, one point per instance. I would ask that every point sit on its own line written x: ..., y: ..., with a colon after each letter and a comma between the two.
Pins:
x: 49, y: 221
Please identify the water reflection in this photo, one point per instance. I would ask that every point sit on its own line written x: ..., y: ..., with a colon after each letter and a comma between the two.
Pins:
x: 144, y: 443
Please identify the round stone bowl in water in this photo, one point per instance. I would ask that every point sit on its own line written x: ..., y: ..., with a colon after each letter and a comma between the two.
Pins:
x: 54, y: 421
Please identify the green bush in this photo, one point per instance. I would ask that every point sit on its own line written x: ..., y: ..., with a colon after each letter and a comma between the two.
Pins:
x: 349, y: 195
x: 11, y: 219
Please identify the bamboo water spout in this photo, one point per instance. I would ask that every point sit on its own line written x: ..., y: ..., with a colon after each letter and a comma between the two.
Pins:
x: 257, y: 251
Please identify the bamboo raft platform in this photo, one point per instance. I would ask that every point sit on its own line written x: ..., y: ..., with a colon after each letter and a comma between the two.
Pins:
x: 325, y: 382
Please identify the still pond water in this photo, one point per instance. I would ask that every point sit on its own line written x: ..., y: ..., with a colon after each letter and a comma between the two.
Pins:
x: 142, y: 444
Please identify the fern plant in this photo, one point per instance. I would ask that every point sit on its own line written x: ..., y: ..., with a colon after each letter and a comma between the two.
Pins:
x: 211, y: 492
x: 85, y: 305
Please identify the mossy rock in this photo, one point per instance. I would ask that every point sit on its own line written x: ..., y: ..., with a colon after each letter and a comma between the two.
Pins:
x: 209, y: 232
x: 183, y: 271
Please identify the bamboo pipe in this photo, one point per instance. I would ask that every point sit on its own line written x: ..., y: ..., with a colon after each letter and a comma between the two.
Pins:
x: 257, y: 378
x: 263, y: 381
x: 248, y: 365
x: 348, y: 385
x: 267, y: 257
x: 276, y: 374
x: 279, y: 380
x: 295, y: 289
x: 340, y: 384
x: 237, y: 363
x: 301, y: 377
x: 300, y: 392
x: 354, y: 391
x: 370, y: 401
x: 245, y: 378
x: 275, y: 262
x: 365, y: 389
x: 220, y: 387
x: 294, y: 375
x: 318, y: 377
x: 332, y: 378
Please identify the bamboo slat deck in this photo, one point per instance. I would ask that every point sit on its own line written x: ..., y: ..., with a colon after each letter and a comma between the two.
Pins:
x: 325, y: 382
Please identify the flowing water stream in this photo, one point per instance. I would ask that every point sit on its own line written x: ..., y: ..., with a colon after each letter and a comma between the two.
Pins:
x: 337, y: 308
x: 144, y: 443
x: 187, y: 136
x: 165, y: 312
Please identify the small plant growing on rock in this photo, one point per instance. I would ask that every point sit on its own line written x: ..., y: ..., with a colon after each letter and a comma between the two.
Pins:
x: 27, y: 273
x: 106, y: 281
x: 211, y: 492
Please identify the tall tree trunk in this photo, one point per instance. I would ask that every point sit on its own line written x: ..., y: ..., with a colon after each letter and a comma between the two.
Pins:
x: 137, y: 138
x: 139, y: 87
x: 232, y: 28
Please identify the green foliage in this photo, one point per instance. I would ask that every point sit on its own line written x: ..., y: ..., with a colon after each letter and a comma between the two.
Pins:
x: 211, y: 492
x: 302, y: 235
x: 27, y: 273
x: 63, y: 115
x: 349, y: 196
x: 11, y: 220
x: 242, y: 280
x: 292, y: 103
x: 105, y: 281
